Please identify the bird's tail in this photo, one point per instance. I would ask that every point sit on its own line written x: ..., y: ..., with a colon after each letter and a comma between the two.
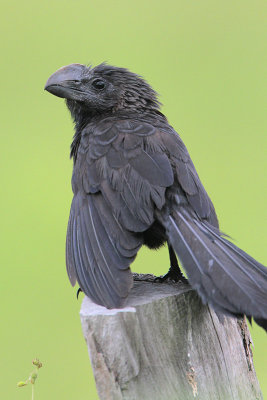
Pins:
x: 223, y: 275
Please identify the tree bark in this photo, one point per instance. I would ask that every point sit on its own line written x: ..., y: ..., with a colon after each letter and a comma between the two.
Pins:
x: 165, y: 345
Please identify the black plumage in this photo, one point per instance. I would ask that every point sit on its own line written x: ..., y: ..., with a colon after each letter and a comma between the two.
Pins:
x: 134, y: 184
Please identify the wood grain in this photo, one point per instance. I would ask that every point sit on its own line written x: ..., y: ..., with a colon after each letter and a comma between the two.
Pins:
x: 165, y: 345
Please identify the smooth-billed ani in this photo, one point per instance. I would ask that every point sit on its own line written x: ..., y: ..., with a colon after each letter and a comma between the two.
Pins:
x: 134, y: 183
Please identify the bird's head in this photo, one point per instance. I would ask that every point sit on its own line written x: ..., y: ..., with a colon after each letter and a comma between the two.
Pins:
x: 101, y: 89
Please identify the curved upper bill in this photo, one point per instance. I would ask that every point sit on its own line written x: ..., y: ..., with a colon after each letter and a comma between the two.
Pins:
x: 66, y: 82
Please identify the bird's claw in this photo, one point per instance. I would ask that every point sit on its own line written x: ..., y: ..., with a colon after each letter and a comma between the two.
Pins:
x: 171, y: 276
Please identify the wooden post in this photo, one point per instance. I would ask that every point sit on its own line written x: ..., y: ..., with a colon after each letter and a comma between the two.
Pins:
x: 165, y: 345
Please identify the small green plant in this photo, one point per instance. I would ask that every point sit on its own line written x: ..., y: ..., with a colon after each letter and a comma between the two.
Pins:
x: 33, y: 376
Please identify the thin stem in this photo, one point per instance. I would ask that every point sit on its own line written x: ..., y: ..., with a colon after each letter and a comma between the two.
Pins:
x: 32, y: 392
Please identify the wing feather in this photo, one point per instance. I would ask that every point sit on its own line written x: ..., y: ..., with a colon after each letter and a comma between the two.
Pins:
x: 118, y: 184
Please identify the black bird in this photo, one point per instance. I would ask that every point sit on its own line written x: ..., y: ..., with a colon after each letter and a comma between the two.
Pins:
x: 134, y: 184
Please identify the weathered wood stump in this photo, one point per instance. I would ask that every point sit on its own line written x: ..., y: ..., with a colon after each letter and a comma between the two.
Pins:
x: 165, y: 345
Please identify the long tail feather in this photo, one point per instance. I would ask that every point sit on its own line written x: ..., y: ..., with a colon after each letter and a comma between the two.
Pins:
x: 223, y: 275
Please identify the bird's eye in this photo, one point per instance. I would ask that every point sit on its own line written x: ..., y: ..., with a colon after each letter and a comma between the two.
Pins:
x: 98, y: 84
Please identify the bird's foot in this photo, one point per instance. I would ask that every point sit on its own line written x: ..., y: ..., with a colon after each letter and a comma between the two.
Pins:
x: 172, y: 276
x: 78, y: 292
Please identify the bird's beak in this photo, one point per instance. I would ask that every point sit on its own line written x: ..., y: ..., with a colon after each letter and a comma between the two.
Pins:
x: 66, y: 82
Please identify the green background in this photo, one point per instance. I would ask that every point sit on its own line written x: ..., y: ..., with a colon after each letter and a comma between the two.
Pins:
x: 207, y: 60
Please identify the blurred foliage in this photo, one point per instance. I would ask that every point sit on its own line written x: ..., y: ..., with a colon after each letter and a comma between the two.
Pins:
x: 207, y: 60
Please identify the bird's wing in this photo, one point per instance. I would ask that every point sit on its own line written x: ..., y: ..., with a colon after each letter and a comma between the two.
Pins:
x: 187, y: 177
x: 120, y: 178
x: 222, y: 274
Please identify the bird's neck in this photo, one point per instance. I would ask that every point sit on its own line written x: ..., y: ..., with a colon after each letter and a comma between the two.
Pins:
x: 82, y: 119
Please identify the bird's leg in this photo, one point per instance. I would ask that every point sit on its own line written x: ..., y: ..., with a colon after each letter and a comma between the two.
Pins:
x: 174, y: 273
x: 78, y: 292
